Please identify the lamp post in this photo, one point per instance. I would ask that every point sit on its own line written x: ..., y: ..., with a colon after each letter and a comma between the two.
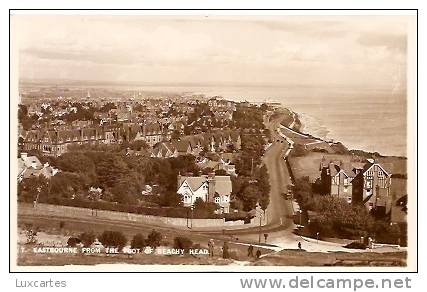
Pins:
x: 317, y: 236
x: 300, y: 217
x: 192, y: 208
x: 260, y: 217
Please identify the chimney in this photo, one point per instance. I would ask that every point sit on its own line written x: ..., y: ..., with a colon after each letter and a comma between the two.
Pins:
x: 179, y: 180
x: 211, y: 186
x: 24, y: 155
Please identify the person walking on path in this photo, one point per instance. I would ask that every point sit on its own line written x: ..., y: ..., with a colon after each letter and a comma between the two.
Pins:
x: 299, y: 245
x: 211, y: 246
x: 258, y: 254
x: 251, y: 251
x: 225, y: 253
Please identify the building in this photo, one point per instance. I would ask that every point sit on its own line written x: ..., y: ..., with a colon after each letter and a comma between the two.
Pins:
x: 222, y: 141
x: 29, y: 166
x: 359, y: 183
x: 150, y: 133
x: 55, y: 142
x: 164, y: 150
x: 336, y: 179
x: 371, y: 187
x: 209, y: 188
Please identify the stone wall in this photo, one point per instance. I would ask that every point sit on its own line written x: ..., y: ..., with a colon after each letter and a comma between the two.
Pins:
x: 76, y: 212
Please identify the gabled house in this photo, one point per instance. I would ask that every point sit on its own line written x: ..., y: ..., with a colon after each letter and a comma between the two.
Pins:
x: 151, y: 134
x: 31, y: 166
x: 164, y: 150
x: 209, y: 188
x: 371, y: 187
x: 183, y: 147
x: 359, y: 183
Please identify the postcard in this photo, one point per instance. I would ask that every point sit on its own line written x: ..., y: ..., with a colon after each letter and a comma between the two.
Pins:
x: 213, y: 141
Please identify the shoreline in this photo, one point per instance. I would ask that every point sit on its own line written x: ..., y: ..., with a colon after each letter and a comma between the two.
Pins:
x: 303, y: 126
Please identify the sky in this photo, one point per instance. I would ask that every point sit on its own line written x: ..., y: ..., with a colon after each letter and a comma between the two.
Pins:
x: 282, y: 50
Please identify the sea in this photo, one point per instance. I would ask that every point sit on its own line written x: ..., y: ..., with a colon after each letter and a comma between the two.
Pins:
x: 373, y: 120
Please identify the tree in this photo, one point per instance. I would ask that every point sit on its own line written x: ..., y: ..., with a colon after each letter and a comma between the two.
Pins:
x: 138, y: 145
x: 33, y: 188
x: 138, y: 241
x: 87, y: 238
x: 73, y: 241
x: 250, y: 196
x: 66, y: 184
x: 114, y: 239
x: 110, y: 169
x: 154, y: 239
x: 76, y: 162
x: 170, y: 199
x: 24, y: 119
x: 125, y: 192
x: 199, y: 204
x: 264, y: 201
x: 31, y: 234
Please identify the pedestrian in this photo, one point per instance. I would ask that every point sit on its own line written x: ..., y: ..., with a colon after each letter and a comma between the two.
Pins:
x: 211, y: 246
x: 225, y: 253
x: 250, y: 251
x: 299, y: 245
x: 258, y: 254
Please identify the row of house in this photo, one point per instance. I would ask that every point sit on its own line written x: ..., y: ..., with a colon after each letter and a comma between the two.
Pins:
x: 56, y: 142
x: 194, y: 144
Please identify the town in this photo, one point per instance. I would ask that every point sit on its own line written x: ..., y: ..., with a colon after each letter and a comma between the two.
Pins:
x: 206, y: 165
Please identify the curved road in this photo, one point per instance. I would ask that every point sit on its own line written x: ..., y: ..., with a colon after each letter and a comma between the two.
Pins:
x: 279, y: 212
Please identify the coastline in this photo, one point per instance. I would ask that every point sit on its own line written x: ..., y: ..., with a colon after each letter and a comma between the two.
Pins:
x: 304, y: 126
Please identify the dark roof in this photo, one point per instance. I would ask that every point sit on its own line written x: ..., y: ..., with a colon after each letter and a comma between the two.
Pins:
x: 181, y: 146
x: 152, y: 129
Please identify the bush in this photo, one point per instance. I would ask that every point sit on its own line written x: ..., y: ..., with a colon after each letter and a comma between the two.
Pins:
x: 181, y: 242
x: 87, y: 238
x: 138, y: 241
x: 31, y: 233
x: 113, y: 239
x: 154, y: 239
x: 73, y: 241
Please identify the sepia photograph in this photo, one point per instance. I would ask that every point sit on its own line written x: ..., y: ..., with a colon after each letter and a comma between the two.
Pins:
x: 213, y: 141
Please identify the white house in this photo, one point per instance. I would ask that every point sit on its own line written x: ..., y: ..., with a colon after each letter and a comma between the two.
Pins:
x: 31, y: 166
x: 209, y: 188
